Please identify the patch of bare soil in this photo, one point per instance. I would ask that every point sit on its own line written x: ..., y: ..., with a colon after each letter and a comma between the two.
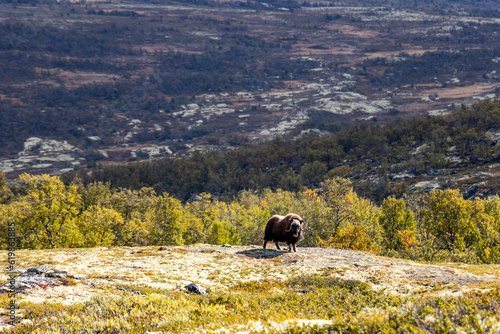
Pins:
x: 306, y: 48
x: 11, y: 99
x: 310, y: 48
x: 172, y: 268
x: 294, y: 84
x: 76, y: 79
x: 459, y: 92
x: 352, y: 30
x: 411, y: 50
x: 415, y: 108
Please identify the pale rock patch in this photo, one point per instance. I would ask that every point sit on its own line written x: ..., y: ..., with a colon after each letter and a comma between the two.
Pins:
x: 41, y: 153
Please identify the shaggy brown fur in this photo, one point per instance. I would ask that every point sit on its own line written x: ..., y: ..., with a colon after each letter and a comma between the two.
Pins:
x: 287, y: 228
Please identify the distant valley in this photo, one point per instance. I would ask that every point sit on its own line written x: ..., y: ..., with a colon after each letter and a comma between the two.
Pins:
x: 87, y: 84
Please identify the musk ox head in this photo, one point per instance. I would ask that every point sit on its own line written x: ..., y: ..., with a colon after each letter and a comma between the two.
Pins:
x: 295, y: 227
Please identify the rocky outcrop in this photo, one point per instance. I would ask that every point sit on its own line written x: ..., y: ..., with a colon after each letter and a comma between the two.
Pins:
x: 38, y: 278
x: 195, y: 288
x: 44, y: 155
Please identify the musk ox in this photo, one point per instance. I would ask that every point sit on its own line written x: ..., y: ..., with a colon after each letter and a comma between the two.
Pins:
x: 287, y: 228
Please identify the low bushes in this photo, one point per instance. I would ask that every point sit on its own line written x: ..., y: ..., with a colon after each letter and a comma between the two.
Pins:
x: 440, y: 225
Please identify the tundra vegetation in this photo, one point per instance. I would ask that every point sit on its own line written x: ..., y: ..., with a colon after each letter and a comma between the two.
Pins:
x: 332, y: 305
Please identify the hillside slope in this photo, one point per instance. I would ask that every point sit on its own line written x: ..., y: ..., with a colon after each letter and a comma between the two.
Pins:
x: 458, y: 150
x: 232, y: 275
x: 106, y: 83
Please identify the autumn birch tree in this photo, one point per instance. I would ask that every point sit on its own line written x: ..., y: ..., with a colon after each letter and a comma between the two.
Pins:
x: 47, y: 213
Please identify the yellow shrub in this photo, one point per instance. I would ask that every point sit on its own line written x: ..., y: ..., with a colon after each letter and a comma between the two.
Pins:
x: 408, y: 239
x: 352, y: 237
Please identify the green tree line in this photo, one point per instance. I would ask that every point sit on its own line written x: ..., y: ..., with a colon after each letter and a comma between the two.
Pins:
x: 440, y: 225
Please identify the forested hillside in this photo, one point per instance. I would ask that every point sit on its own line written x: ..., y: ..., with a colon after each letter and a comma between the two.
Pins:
x: 87, y: 83
x: 381, y: 160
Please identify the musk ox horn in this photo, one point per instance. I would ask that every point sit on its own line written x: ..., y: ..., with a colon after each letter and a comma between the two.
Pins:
x: 291, y: 223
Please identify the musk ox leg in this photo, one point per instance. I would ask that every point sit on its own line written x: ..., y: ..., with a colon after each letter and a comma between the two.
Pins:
x: 277, y: 245
x: 294, y: 249
x: 265, y: 242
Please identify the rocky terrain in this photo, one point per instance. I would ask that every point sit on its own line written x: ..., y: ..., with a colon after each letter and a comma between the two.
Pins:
x: 76, y: 275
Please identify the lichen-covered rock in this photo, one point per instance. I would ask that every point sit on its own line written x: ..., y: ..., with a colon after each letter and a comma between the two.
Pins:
x: 35, y: 282
x: 37, y: 278
x: 195, y: 288
x: 427, y: 186
x: 46, y: 272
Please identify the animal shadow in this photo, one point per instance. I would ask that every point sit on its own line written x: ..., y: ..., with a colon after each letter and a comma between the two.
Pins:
x: 262, y: 253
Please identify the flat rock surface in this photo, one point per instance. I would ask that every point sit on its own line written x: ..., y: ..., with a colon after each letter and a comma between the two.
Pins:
x: 128, y: 270
x: 35, y: 278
